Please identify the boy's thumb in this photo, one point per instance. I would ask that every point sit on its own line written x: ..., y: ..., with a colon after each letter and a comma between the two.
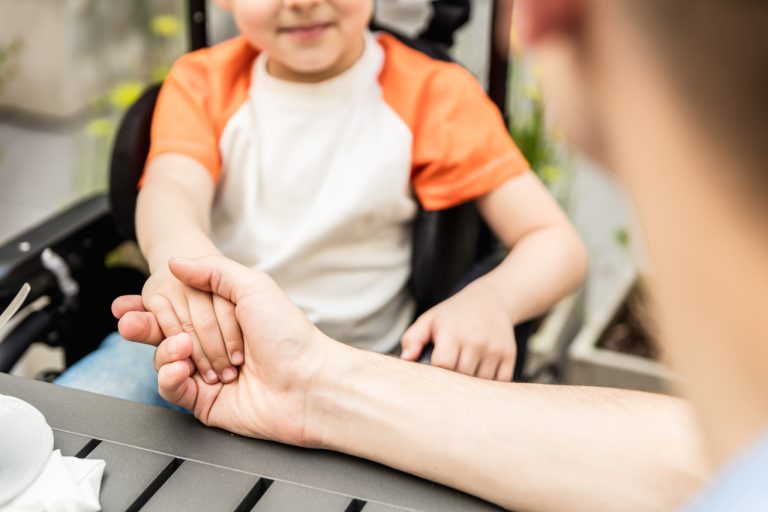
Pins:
x: 416, y: 338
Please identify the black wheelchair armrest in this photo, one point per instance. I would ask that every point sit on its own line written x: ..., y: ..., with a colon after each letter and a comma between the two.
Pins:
x: 20, y: 258
x: 62, y: 259
x: 445, y: 248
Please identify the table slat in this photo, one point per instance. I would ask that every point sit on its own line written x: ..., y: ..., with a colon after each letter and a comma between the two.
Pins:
x: 69, y: 444
x: 284, y: 497
x: 378, y: 507
x: 128, y: 472
x: 196, y: 486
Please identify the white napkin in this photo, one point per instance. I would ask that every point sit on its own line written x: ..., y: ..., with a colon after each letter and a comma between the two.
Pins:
x: 67, y: 484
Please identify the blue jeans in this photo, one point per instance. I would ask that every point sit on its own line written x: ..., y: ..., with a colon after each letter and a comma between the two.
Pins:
x: 117, y: 368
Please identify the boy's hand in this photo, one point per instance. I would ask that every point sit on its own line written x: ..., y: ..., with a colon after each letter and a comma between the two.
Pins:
x: 472, y: 334
x: 217, y: 342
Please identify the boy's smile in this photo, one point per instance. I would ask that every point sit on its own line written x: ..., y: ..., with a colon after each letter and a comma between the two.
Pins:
x: 307, y: 32
x: 306, y: 40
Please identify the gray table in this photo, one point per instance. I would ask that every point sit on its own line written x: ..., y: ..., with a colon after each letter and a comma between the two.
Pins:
x: 160, y: 460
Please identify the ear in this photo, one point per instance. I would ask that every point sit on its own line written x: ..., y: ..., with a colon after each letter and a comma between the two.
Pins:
x: 537, y: 20
x: 225, y: 4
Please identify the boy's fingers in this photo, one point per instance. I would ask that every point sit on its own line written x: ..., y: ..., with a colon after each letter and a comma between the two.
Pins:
x: 446, y: 354
x: 506, y: 371
x: 126, y: 304
x: 230, y: 330
x: 177, y: 321
x: 206, y: 326
x: 469, y: 360
x: 176, y: 385
x: 175, y: 348
x: 416, y: 338
x: 488, y: 368
x: 166, y: 316
x: 140, y: 327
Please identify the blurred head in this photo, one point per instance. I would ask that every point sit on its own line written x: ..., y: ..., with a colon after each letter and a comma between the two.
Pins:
x: 615, y: 63
x: 307, y: 40
x: 671, y: 95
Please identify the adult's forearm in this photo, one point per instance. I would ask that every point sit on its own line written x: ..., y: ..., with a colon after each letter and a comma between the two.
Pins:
x: 525, y: 447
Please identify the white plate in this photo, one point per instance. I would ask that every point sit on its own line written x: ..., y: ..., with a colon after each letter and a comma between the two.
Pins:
x: 26, y: 443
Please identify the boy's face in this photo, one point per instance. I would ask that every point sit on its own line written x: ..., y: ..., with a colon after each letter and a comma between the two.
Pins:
x: 305, y: 36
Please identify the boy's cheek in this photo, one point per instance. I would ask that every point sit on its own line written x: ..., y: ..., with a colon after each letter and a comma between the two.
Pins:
x: 357, y: 12
x: 257, y: 19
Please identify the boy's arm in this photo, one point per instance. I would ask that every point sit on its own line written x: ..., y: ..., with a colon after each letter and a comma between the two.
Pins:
x: 473, y: 331
x: 173, y: 210
x: 173, y: 219
x: 547, y: 260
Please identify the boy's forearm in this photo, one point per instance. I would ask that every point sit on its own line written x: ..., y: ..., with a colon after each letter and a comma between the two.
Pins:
x: 172, y: 221
x: 540, y: 270
x: 524, y: 447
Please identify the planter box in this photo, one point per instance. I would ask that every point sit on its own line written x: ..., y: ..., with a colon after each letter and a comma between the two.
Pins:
x: 547, y: 347
x: 590, y: 365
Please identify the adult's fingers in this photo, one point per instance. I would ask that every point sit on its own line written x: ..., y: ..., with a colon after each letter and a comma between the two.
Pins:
x: 173, y: 349
x: 126, y: 304
x: 216, y: 274
x: 230, y: 329
x: 141, y: 327
x: 206, y: 327
x: 175, y: 384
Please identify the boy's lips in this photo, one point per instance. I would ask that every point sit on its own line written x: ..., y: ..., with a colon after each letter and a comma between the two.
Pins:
x: 306, y: 33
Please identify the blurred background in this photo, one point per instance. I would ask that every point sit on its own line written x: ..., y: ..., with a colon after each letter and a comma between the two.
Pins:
x: 69, y: 69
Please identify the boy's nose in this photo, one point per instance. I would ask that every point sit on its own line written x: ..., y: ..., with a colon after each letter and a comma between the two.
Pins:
x: 301, y: 4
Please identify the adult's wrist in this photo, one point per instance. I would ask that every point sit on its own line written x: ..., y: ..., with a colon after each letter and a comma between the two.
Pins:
x: 330, y: 392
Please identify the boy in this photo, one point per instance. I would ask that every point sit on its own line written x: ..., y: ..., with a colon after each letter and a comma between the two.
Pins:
x: 297, y: 149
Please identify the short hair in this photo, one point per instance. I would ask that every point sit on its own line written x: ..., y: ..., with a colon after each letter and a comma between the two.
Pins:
x: 717, y: 53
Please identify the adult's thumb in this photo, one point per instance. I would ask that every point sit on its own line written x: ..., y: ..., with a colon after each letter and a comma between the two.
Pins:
x: 215, y: 274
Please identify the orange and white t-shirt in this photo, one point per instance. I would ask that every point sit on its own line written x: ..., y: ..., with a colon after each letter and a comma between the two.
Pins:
x: 317, y: 184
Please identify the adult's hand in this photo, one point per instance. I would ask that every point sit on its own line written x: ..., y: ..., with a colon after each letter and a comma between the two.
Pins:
x: 284, y: 354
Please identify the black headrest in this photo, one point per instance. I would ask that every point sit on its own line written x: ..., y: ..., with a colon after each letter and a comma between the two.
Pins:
x: 449, y: 16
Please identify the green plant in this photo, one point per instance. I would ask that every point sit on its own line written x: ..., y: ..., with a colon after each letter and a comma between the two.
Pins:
x: 158, y: 26
x: 532, y: 133
x: 9, y: 61
x: 9, y: 54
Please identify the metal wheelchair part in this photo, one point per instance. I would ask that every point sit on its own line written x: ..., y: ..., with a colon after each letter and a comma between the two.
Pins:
x: 56, y: 265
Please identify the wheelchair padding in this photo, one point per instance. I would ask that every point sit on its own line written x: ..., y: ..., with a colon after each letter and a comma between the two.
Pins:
x: 448, y: 16
x: 447, y: 244
x: 129, y: 155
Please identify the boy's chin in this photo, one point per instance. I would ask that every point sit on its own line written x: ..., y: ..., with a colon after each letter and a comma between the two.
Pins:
x: 314, y: 64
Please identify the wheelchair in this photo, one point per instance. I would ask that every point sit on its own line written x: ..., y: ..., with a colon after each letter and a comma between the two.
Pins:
x: 65, y: 259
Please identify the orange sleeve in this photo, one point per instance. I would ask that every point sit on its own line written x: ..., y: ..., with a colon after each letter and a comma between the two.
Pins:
x: 462, y: 149
x: 182, y: 121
